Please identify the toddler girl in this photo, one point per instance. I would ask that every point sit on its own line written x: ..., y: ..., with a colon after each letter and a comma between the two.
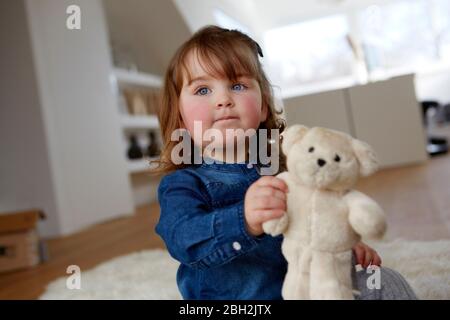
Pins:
x: 212, y: 210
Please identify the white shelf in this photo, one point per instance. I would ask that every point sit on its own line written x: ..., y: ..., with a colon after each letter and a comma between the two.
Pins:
x: 136, y: 124
x: 139, y: 122
x: 140, y: 165
x: 132, y: 78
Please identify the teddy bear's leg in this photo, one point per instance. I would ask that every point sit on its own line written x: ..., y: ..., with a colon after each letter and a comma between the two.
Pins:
x: 291, y: 286
x: 343, y: 265
x: 324, y: 280
x: 296, y: 282
x: 303, y: 281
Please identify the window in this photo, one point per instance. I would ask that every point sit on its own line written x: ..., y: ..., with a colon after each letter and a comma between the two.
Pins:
x: 398, y: 35
x: 441, y: 24
x: 309, y: 52
x: 394, y: 37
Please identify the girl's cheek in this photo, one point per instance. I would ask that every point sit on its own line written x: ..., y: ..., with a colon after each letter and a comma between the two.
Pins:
x: 195, y: 130
x: 252, y: 110
x: 195, y: 110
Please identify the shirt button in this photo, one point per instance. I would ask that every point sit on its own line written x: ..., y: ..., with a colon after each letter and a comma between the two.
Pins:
x: 236, y: 246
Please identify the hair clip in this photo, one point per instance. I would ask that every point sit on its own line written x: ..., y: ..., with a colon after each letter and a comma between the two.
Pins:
x: 259, y: 49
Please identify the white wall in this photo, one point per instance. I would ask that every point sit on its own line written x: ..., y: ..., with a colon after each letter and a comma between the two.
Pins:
x: 60, y: 129
x: 145, y: 188
x: 25, y: 177
x: 434, y: 86
x: 73, y: 69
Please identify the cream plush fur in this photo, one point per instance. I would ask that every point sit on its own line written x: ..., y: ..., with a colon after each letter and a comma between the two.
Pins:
x: 325, y: 218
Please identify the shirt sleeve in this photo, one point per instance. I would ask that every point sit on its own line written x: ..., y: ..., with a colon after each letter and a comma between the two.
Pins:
x: 195, y: 234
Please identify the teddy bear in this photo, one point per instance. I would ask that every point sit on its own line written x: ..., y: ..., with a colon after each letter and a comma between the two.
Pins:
x: 325, y: 217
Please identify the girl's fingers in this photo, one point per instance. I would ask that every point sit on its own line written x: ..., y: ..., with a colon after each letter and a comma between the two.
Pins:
x: 270, y: 181
x: 376, y: 259
x: 271, y: 192
x: 359, y: 253
x: 368, y: 258
x: 266, y: 215
x: 269, y: 202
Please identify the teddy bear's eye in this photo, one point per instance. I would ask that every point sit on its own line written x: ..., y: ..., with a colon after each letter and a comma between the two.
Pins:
x: 311, y: 149
x: 337, y: 158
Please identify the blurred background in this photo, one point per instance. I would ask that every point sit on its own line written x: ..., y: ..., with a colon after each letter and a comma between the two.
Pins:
x: 79, y: 87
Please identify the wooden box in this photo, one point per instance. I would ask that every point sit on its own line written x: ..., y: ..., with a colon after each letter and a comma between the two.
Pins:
x: 20, y: 245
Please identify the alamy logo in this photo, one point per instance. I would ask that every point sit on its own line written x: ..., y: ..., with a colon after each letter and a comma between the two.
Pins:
x: 374, y: 281
x: 73, y: 21
x: 73, y: 282
x: 218, y: 142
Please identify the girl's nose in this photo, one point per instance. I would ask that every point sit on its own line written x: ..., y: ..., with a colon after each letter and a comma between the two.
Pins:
x: 224, y: 101
x: 225, y: 104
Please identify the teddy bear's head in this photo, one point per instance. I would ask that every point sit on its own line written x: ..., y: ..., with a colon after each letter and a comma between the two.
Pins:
x: 326, y: 159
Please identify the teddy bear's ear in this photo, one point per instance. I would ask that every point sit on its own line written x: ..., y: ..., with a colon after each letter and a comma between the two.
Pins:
x: 368, y: 162
x: 291, y: 135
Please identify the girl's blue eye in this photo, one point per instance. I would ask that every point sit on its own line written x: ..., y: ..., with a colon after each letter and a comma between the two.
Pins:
x: 238, y: 87
x: 202, y: 91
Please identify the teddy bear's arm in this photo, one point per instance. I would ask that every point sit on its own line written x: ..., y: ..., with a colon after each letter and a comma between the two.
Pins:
x: 276, y: 227
x: 366, y: 216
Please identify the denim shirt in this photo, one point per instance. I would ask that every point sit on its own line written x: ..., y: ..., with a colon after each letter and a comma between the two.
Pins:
x: 202, y: 224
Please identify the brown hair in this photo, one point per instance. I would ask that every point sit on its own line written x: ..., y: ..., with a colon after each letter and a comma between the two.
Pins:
x: 237, y: 54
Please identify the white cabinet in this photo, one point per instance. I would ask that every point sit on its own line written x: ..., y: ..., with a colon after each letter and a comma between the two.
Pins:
x: 388, y: 116
x: 138, y: 125
x: 327, y: 109
x: 143, y: 186
x: 385, y: 114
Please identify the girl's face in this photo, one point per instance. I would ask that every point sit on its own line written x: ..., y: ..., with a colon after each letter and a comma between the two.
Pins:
x: 219, y: 103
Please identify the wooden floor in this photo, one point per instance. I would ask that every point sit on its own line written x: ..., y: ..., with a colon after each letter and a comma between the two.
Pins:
x: 415, y: 198
x: 85, y: 249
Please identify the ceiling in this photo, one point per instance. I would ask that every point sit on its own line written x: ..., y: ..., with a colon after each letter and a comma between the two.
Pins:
x: 153, y: 29
x: 262, y: 15
x: 147, y: 30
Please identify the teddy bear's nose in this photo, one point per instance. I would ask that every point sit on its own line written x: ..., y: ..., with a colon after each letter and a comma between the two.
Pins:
x: 321, y: 162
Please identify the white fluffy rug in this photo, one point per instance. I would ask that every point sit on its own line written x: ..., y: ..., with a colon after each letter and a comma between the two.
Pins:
x: 151, y: 274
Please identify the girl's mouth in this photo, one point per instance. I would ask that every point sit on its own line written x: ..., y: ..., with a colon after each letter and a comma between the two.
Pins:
x: 226, y: 119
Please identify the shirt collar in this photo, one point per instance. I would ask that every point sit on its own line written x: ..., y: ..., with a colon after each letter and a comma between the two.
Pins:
x: 213, y: 164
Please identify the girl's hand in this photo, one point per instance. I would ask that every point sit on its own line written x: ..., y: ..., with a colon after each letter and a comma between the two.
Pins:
x: 365, y: 255
x: 265, y: 200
